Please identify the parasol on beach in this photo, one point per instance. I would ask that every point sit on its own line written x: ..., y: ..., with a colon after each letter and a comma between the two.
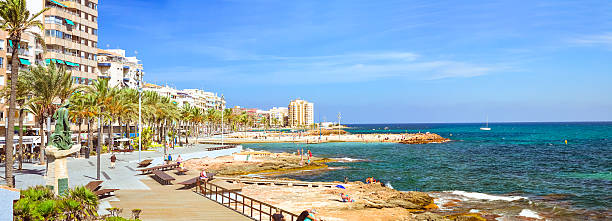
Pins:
x: 340, y: 186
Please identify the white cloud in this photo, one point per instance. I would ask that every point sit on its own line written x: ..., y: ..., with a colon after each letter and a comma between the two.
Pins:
x: 594, y: 40
x: 247, y: 68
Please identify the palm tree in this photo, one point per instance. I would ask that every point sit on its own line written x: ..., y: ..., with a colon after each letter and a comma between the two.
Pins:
x: 15, y: 19
x: 83, y: 203
x: 23, y: 92
x: 44, y: 84
x: 100, y: 94
x: 78, y: 111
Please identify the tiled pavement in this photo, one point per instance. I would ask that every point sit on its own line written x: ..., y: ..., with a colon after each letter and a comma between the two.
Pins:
x: 82, y: 170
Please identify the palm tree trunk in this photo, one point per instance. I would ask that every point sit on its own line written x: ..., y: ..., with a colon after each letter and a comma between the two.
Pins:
x: 8, y: 147
x: 89, y: 136
x: 21, y: 110
x: 41, y: 154
x: 80, y: 121
x: 111, y: 142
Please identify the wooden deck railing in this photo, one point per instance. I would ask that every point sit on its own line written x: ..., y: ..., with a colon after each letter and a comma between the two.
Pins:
x: 245, y: 205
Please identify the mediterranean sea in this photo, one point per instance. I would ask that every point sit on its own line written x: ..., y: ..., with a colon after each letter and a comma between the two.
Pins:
x: 530, y: 160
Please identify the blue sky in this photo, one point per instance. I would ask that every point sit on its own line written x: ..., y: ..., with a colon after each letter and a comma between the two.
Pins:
x: 380, y: 61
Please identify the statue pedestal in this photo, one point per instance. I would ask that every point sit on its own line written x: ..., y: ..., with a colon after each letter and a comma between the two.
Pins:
x: 57, y: 171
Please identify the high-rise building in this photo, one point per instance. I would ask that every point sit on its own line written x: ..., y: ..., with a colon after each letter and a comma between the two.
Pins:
x: 301, y: 113
x: 71, y: 36
x: 121, y: 71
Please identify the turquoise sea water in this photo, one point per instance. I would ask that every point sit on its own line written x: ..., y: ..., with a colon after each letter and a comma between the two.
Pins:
x: 526, y: 159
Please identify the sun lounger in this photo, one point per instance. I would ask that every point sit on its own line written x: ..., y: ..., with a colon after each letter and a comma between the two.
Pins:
x: 163, y: 177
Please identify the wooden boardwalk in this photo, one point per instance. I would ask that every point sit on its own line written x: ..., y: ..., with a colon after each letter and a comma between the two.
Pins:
x: 167, y: 202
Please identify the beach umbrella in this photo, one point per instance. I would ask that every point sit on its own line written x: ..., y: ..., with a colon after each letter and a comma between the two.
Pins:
x: 340, y: 186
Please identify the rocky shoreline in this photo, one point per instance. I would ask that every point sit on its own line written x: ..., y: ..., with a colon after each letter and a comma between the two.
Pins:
x: 370, y: 199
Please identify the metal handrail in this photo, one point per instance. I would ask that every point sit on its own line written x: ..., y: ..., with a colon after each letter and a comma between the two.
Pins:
x: 249, y: 205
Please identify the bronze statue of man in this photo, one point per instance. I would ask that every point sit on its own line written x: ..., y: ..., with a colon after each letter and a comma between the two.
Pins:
x: 61, y: 138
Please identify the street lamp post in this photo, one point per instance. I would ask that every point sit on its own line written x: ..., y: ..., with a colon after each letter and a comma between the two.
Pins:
x: 222, y: 110
x: 139, y: 114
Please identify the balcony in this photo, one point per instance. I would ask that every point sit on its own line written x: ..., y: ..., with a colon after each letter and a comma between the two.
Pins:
x: 20, y: 51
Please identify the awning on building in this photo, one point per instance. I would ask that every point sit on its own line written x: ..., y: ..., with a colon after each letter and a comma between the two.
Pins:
x: 11, y: 44
x: 59, y: 61
x: 72, y: 64
x: 102, y: 76
x: 126, y: 79
x: 126, y: 67
x: 104, y: 64
x: 69, y: 22
x: 24, y: 61
x: 57, y: 3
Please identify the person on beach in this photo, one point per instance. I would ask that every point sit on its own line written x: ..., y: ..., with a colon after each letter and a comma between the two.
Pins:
x: 307, y: 215
x: 278, y: 216
x: 204, y: 176
x: 113, y: 158
x: 169, y: 158
x: 311, y: 215
x: 179, y: 161
x: 346, y: 198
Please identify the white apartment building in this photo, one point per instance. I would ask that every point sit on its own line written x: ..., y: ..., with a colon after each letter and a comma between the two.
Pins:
x: 301, y: 113
x: 206, y: 100
x: 194, y: 97
x: 121, y: 71
x: 279, y: 113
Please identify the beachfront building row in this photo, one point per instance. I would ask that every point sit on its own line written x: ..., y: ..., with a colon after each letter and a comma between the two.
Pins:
x: 71, y: 38
x: 277, y: 116
x: 121, y: 71
x: 301, y: 113
x: 194, y: 97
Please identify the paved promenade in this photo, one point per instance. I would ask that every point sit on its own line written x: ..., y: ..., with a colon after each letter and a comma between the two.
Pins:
x: 123, y: 177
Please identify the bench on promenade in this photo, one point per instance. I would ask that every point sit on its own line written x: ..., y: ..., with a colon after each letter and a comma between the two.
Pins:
x: 181, y: 171
x: 163, y: 177
x: 192, y: 182
x: 160, y: 167
x: 105, y: 192
x: 145, y: 163
x: 95, y: 187
x: 220, y: 148
x: 123, y: 150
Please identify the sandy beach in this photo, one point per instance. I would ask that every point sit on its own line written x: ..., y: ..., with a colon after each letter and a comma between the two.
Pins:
x: 314, y: 137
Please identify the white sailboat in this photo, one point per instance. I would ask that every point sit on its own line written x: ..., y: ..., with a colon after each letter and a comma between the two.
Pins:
x: 486, y: 127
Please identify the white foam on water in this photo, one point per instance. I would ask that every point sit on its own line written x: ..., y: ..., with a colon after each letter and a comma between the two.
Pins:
x: 388, y: 184
x: 348, y: 159
x: 529, y: 214
x: 483, y: 196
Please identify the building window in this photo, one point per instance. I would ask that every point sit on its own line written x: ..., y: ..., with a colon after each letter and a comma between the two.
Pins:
x: 1, y: 44
x: 2, y: 64
x: 94, y: 31
x: 1, y: 80
x: 54, y: 33
x: 53, y: 20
